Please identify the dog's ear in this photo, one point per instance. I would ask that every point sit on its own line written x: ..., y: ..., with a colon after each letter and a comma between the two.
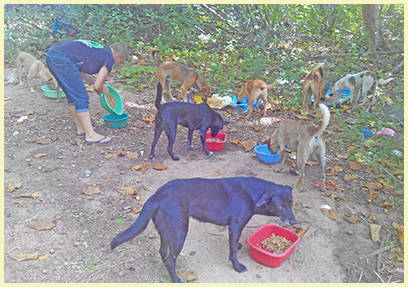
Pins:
x: 265, y: 199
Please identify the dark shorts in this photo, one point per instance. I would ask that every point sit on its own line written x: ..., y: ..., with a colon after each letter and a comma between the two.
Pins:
x: 69, y: 79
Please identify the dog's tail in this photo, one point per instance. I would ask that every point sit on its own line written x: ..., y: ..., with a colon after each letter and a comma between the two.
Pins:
x: 382, y: 82
x: 271, y: 86
x: 138, y: 226
x: 325, y: 121
x: 153, y: 54
x: 157, y: 102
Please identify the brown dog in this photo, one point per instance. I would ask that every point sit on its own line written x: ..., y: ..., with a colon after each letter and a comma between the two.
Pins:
x: 188, y: 78
x: 303, y: 137
x: 34, y: 69
x: 313, y: 83
x: 253, y: 89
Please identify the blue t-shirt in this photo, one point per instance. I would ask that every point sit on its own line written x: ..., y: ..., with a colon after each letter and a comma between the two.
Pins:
x: 89, y: 56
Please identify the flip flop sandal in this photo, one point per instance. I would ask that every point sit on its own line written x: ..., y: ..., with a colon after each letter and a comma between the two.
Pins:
x: 79, y: 135
x: 100, y: 141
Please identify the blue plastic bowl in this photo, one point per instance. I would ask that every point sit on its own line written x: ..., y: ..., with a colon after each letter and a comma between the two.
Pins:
x: 116, y: 121
x: 265, y: 155
x: 367, y: 133
x: 341, y: 100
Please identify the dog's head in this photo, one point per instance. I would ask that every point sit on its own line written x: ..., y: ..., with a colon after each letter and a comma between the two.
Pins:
x: 48, y: 78
x: 205, y: 92
x: 217, y: 124
x: 277, y: 202
x: 273, y: 143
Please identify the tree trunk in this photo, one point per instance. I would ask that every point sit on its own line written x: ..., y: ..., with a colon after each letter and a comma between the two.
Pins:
x: 370, y: 17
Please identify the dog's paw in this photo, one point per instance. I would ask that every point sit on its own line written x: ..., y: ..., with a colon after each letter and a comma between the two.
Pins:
x: 191, y: 147
x: 210, y: 153
x: 176, y: 158
x: 240, y: 267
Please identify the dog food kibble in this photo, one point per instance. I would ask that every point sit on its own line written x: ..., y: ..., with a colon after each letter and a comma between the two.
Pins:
x: 216, y: 140
x: 276, y: 244
x: 111, y: 100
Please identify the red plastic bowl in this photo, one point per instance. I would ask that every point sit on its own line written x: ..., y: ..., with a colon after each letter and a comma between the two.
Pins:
x: 213, y: 146
x: 262, y: 255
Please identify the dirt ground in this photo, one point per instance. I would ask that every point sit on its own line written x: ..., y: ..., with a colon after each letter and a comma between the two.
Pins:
x: 77, y: 248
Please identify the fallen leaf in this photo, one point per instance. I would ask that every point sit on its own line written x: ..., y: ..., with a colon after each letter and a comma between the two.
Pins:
x: 386, y: 204
x: 332, y: 195
x: 144, y: 166
x: 374, y: 185
x: 372, y: 218
x: 328, y: 185
x: 30, y: 195
x: 235, y: 142
x: 23, y: 257
x: 111, y: 155
x: 355, y: 166
x: 330, y: 213
x: 304, y: 230
x: 333, y: 170
x: 45, y: 141
x: 311, y: 163
x: 159, y: 166
x: 256, y: 128
x: 306, y: 205
x: 249, y: 145
x: 39, y: 155
x: 30, y: 112
x: 11, y: 186
x: 43, y: 257
x: 137, y: 209
x: 131, y: 154
x: 342, y: 155
x: 375, y: 232
x: 128, y: 266
x: 400, y: 232
x: 218, y: 172
x: 149, y: 119
x: 188, y: 275
x: 91, y: 190
x: 372, y: 195
x: 43, y: 225
x: 352, y: 218
x: 348, y: 177
x: 127, y: 190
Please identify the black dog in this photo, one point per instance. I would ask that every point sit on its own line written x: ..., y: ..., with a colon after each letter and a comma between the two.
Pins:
x: 194, y: 117
x: 224, y: 201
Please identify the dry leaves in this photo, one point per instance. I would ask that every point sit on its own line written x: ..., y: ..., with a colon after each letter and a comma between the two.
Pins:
x: 374, y: 185
x: 352, y: 218
x: 159, y: 166
x: 90, y: 190
x: 329, y: 212
x: 235, y: 142
x: 332, y: 196
x: 249, y: 145
x: 44, y: 225
x: 128, y: 266
x: 144, y: 166
x: 355, y: 166
x: 375, y: 232
x: 149, y: 119
x: 29, y: 195
x: 218, y: 172
x: 38, y: 155
x: 23, y: 257
x: 44, y: 141
x: 127, y: 190
x: 11, y: 186
x: 131, y: 154
x: 333, y: 170
x: 348, y: 177
x: 137, y: 209
x: 400, y: 232
x: 188, y: 275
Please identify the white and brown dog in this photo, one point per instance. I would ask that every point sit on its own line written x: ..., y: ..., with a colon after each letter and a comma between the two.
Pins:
x: 359, y: 84
x: 253, y: 89
x: 303, y: 137
x: 34, y: 69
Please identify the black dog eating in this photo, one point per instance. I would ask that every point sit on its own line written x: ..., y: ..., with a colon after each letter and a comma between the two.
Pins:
x: 194, y: 117
x: 224, y: 201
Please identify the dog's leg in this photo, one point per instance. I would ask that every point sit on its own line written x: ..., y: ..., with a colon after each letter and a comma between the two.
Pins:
x: 301, y: 157
x: 31, y: 74
x: 322, y: 151
x: 202, y: 138
x: 157, y: 132
x: 251, y: 102
x: 171, y: 132
x: 235, y: 230
x: 168, y: 88
x: 190, y: 139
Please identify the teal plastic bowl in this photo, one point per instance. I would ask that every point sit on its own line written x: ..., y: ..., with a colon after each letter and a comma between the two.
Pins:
x: 118, y: 109
x: 50, y: 93
x: 116, y: 121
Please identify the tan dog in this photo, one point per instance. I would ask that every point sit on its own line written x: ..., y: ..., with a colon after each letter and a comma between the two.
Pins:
x: 313, y: 83
x: 34, y: 69
x: 253, y: 89
x: 303, y: 137
x: 188, y: 78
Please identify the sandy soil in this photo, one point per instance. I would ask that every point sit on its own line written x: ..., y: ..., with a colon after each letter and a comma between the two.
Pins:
x: 76, y: 249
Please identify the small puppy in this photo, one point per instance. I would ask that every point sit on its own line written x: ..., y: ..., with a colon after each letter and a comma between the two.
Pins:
x: 313, y: 83
x: 303, y: 137
x: 360, y: 84
x: 167, y: 71
x: 224, y: 201
x: 194, y: 117
x: 253, y: 89
x: 34, y: 69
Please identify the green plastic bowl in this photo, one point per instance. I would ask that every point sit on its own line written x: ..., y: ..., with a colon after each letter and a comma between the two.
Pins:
x: 118, y: 110
x: 50, y: 93
x: 116, y: 121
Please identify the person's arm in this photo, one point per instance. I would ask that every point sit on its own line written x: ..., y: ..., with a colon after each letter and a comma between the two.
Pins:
x: 100, y: 80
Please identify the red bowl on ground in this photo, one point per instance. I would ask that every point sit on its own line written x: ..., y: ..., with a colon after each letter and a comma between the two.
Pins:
x: 215, y: 145
x: 264, y: 256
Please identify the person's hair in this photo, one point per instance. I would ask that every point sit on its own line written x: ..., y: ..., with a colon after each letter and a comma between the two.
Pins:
x: 121, y: 49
